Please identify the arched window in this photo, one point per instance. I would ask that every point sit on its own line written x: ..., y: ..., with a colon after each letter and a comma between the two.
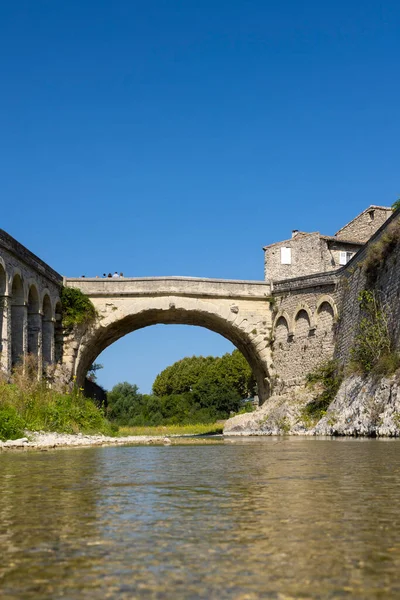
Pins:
x: 302, y: 327
x: 281, y: 330
x: 325, y: 318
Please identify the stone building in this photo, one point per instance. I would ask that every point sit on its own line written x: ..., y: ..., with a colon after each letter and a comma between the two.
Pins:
x: 309, y: 253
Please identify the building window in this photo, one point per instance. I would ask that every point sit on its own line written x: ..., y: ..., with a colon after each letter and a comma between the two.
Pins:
x: 345, y: 257
x: 286, y: 256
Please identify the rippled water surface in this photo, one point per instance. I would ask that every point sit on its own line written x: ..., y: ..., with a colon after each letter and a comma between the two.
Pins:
x: 244, y: 519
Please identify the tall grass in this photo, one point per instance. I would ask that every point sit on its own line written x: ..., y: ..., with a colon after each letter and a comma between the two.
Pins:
x: 198, y: 429
x: 27, y: 403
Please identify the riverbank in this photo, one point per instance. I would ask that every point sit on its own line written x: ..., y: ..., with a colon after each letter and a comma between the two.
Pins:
x: 47, y: 441
x: 362, y: 407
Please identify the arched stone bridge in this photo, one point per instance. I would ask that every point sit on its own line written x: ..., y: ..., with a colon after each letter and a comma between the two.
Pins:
x: 238, y: 310
x: 283, y: 333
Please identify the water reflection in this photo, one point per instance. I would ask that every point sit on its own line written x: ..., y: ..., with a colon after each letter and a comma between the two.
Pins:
x: 244, y: 519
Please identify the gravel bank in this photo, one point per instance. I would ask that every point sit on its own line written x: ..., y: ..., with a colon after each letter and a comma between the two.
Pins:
x: 45, y: 441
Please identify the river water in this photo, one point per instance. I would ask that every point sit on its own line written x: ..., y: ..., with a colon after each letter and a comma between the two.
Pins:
x: 244, y: 519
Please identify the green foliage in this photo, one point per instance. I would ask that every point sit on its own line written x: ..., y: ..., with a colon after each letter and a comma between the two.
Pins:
x: 29, y: 404
x: 219, y: 399
x: 77, y: 308
x: 396, y: 205
x: 373, y: 349
x: 91, y: 374
x: 245, y: 408
x: 326, y: 380
x: 191, y: 429
x: 181, y: 376
x: 11, y: 424
x: 380, y: 250
x: 123, y: 401
x: 196, y: 389
x: 231, y: 369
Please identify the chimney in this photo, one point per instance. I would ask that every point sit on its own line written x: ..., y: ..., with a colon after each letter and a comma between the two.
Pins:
x: 294, y: 232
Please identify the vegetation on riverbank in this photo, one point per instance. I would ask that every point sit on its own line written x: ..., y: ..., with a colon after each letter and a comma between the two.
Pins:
x: 195, y: 429
x: 195, y: 393
x: 374, y: 349
x: 191, y: 391
x: 29, y: 404
x: 325, y: 380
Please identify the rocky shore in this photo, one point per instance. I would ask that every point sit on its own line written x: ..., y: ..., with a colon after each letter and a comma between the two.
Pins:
x: 46, y: 441
x: 363, y: 406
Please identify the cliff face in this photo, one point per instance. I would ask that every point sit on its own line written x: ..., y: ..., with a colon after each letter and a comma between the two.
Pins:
x: 362, y: 407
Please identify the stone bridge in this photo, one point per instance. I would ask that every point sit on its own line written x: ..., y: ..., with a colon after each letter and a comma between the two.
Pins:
x: 238, y: 310
x: 283, y: 332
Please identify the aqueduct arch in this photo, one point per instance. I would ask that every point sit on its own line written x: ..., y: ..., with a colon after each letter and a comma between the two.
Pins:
x: 238, y: 311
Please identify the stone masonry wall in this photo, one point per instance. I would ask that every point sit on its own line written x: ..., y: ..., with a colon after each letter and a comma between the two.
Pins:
x: 305, y: 315
x: 29, y: 300
x: 310, y: 254
x: 365, y: 225
x: 307, y: 257
x: 353, y: 280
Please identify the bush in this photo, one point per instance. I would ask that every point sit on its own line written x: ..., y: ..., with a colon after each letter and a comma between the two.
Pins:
x: 380, y: 250
x: 326, y: 379
x: 11, y: 424
x: 373, y: 349
x: 77, y: 308
x: 30, y: 404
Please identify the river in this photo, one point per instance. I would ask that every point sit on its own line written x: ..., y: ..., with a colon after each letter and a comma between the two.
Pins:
x: 243, y: 519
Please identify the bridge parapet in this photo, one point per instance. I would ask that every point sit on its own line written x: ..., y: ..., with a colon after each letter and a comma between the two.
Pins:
x: 177, y: 286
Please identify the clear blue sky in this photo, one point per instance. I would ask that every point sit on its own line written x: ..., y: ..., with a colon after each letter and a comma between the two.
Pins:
x: 177, y: 137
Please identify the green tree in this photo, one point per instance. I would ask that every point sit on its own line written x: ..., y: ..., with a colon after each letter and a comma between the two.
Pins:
x: 124, y: 403
x: 91, y: 374
x: 220, y: 399
x: 232, y: 370
x: 181, y: 376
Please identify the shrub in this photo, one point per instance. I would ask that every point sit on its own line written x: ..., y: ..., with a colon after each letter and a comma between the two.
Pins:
x: 326, y: 379
x: 380, y: 250
x: 11, y: 423
x: 28, y: 403
x: 373, y: 348
x: 77, y: 308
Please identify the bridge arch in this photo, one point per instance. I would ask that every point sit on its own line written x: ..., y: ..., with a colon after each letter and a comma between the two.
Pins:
x: 119, y: 317
x: 3, y: 313
x: 34, y: 320
x: 47, y: 330
x: 18, y: 318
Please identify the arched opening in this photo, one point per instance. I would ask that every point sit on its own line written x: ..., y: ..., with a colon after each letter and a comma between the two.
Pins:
x: 283, y: 350
x: 3, y: 318
x: 58, y: 334
x: 18, y: 320
x: 302, y: 324
x: 99, y: 339
x: 34, y: 322
x: 281, y: 331
x: 47, y: 331
x: 325, y: 321
x: 325, y: 318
